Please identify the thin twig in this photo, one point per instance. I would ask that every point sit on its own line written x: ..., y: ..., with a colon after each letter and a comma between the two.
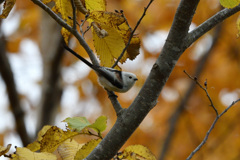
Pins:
x: 121, y: 11
x: 69, y: 28
x: 88, y: 27
x: 132, y: 34
x: 210, y: 129
x: 72, y: 19
x: 205, y: 90
x: 214, y: 122
x: 81, y: 25
x: 180, y: 108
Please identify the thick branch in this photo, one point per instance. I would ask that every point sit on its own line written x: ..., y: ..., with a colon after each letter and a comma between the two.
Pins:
x: 7, y: 75
x: 175, y: 116
x: 52, y: 54
x: 210, y: 23
x: 147, y: 97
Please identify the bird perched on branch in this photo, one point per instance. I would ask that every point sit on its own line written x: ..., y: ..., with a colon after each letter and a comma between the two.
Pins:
x: 111, y: 79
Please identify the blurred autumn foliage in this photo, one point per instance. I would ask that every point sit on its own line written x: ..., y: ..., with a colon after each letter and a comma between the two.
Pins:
x: 214, y: 58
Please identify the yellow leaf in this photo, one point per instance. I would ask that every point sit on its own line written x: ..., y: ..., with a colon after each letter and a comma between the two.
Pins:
x: 36, y: 145
x: 110, y: 47
x: 133, y: 48
x: 111, y: 34
x: 238, y: 27
x: 8, y: 5
x: 87, y: 149
x: 229, y: 3
x: 68, y: 149
x: 95, y: 5
x: 4, y: 150
x: 53, y: 138
x: 137, y: 152
x: 26, y: 154
x: 64, y: 7
x: 107, y: 18
x: 80, y: 6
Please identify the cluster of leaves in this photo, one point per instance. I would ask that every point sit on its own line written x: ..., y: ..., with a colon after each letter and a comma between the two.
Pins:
x: 110, y: 30
x: 53, y: 141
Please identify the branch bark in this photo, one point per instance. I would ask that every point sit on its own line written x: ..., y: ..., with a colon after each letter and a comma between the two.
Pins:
x: 69, y: 28
x: 210, y: 23
x: 177, y: 41
x: 52, y: 51
x: 8, y: 78
x: 148, y: 95
x: 175, y: 116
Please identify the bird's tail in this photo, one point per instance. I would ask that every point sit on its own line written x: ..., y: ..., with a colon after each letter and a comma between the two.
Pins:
x: 78, y: 56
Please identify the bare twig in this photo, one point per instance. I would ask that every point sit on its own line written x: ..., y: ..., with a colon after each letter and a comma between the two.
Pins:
x: 81, y: 25
x: 69, y: 28
x: 205, y: 90
x: 121, y: 11
x: 88, y: 27
x: 214, y: 122
x: 72, y: 19
x: 210, y: 129
x: 179, y: 109
x: 132, y: 34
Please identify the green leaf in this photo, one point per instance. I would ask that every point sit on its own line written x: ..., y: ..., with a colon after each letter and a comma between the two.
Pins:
x: 77, y: 123
x: 229, y: 3
x: 100, y: 124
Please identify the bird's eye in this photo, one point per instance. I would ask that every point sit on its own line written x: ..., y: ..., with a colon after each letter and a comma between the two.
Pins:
x: 130, y: 77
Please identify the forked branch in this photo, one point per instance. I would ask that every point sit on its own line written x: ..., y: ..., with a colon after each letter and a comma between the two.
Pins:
x: 218, y: 116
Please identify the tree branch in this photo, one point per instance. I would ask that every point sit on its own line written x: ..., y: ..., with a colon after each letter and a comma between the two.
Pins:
x: 132, y: 33
x: 52, y: 54
x: 116, y: 105
x: 214, y: 122
x: 70, y: 29
x: 7, y: 75
x: 209, y: 24
x: 148, y: 95
x: 175, y: 116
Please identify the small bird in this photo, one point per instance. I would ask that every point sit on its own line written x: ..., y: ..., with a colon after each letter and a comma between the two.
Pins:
x: 111, y: 79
